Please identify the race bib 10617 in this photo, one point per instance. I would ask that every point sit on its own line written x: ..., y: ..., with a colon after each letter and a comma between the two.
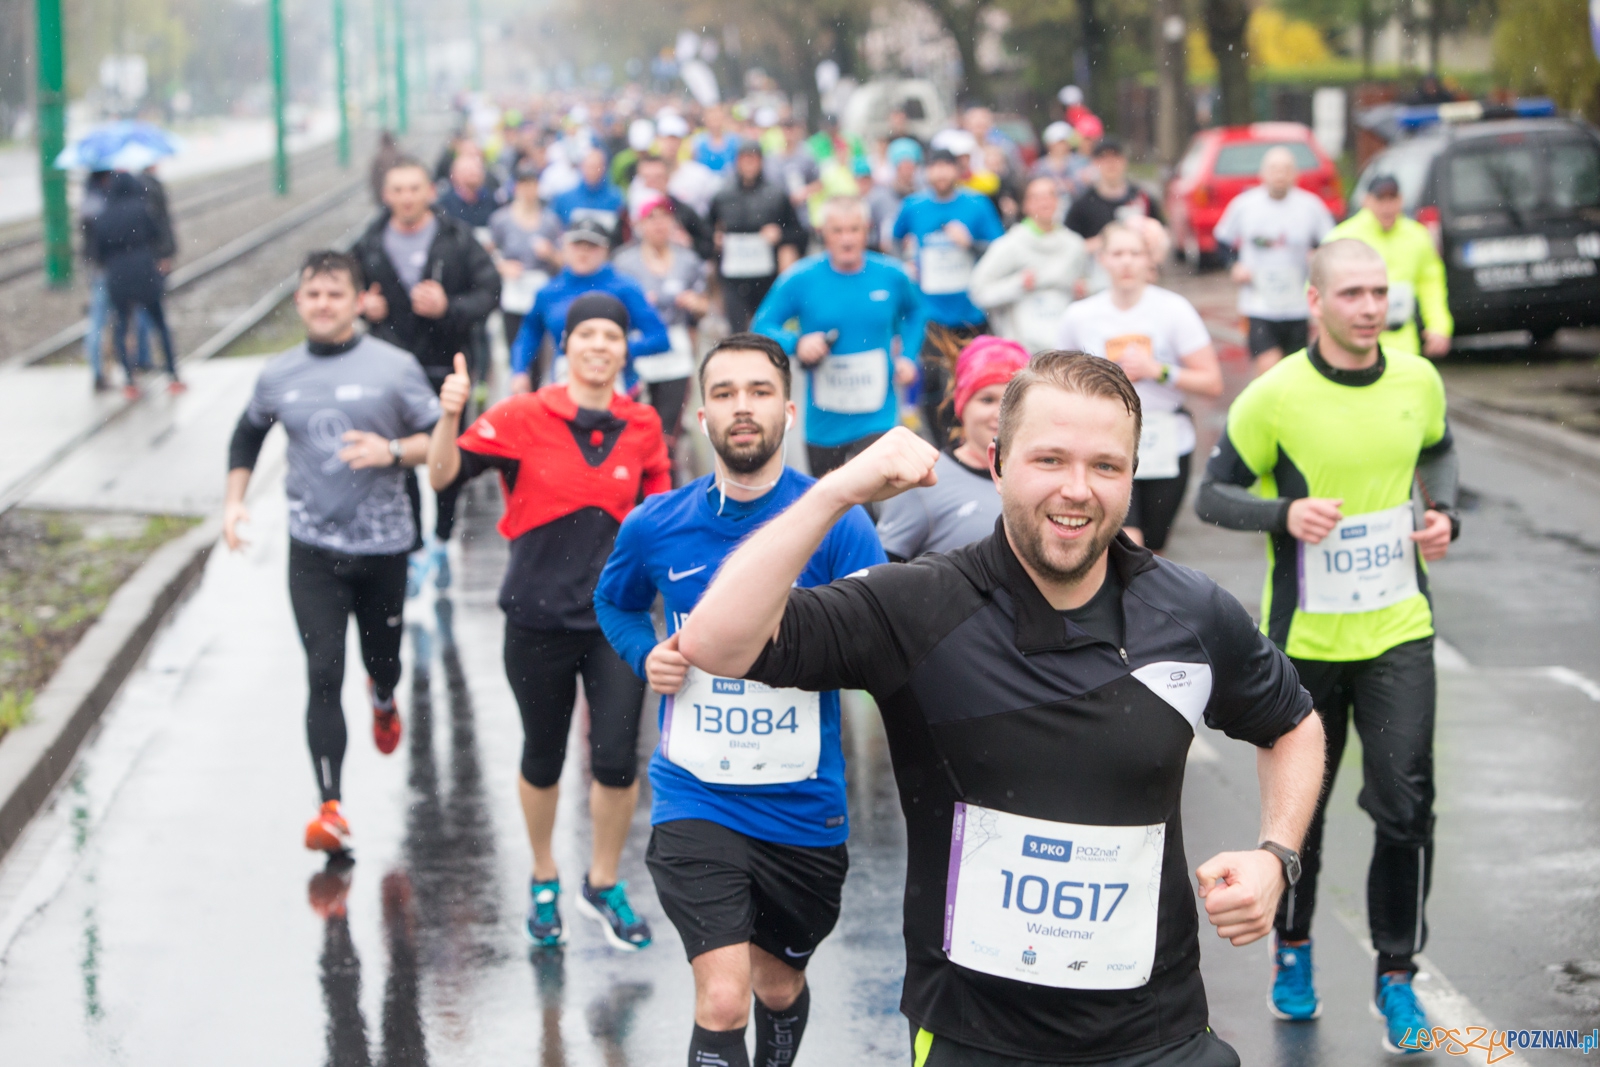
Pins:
x: 1051, y: 903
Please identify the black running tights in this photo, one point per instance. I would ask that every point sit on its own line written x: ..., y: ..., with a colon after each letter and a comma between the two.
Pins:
x: 325, y: 587
x: 543, y: 668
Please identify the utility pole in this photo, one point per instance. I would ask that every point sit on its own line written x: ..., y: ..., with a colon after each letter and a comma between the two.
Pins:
x: 340, y: 91
x: 474, y: 16
x: 280, y: 155
x: 1174, y: 110
x: 52, y: 119
x: 381, y: 57
x: 402, y: 111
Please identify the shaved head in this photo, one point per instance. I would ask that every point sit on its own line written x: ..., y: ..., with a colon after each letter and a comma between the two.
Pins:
x: 1335, y: 257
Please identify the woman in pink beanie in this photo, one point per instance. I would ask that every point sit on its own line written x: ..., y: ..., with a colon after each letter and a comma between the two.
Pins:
x: 964, y: 505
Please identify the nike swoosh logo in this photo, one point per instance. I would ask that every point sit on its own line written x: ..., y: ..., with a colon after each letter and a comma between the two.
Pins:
x: 792, y: 954
x: 678, y: 576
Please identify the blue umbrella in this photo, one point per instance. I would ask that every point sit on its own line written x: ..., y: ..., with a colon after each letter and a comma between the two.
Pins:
x: 98, y: 149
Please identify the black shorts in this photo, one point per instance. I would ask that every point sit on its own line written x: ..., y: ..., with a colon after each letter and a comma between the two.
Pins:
x: 1204, y: 1049
x: 825, y: 458
x: 1154, y: 505
x: 1287, y: 335
x: 720, y: 887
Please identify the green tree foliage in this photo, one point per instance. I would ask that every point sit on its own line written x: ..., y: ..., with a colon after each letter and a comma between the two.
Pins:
x: 1543, y: 46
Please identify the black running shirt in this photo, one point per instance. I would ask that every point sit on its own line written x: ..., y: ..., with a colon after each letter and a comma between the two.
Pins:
x: 990, y: 696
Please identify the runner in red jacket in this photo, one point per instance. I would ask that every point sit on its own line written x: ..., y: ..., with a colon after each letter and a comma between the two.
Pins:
x: 573, y: 459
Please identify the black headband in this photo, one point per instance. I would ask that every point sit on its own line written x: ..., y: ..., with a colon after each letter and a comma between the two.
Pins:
x: 596, y: 305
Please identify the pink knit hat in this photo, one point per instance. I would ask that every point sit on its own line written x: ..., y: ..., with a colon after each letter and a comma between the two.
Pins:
x: 986, y: 361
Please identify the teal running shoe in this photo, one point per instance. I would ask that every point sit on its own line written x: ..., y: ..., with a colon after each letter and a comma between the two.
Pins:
x: 544, y: 917
x: 1294, y: 995
x: 610, y: 908
x: 1403, y: 1017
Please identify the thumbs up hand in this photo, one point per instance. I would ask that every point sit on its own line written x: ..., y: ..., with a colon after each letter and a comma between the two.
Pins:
x: 374, y: 308
x: 457, y: 388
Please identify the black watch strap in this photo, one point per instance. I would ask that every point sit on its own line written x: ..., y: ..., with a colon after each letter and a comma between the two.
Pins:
x: 1287, y: 856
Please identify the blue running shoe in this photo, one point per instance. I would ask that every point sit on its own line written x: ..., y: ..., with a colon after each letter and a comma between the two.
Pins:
x: 1403, y: 1016
x: 1294, y: 997
x: 439, y: 560
x: 417, y: 568
x: 610, y: 908
x: 544, y: 918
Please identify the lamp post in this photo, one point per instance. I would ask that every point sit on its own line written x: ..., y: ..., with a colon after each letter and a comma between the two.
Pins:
x: 52, y: 119
x: 381, y: 58
x: 340, y: 92
x: 402, y: 109
x: 280, y: 154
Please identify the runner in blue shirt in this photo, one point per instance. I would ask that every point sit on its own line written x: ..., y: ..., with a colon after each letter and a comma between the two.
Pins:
x: 584, y: 250
x: 944, y: 229
x: 748, y: 851
x: 592, y: 198
x: 850, y: 305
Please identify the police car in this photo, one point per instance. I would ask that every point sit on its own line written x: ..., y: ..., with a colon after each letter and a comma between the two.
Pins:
x: 1512, y: 197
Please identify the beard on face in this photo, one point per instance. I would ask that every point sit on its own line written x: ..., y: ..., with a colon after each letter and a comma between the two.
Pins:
x: 1024, y: 525
x: 751, y: 457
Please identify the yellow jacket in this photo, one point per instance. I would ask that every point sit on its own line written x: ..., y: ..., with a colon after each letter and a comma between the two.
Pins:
x: 1416, y: 276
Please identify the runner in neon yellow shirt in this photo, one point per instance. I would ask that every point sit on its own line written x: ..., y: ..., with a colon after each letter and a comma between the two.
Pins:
x: 1321, y: 453
x: 1416, y: 273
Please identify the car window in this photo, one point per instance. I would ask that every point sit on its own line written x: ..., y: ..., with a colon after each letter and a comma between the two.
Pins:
x: 1238, y: 160
x: 1574, y: 174
x: 1408, y: 166
x: 1498, y: 178
x: 1192, y: 160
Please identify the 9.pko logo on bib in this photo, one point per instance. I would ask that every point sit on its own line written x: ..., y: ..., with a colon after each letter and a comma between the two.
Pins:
x: 1353, y: 531
x: 1045, y: 848
x: 728, y: 685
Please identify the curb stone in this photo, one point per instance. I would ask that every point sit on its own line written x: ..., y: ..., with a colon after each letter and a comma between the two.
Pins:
x: 35, y: 757
x: 1550, y: 438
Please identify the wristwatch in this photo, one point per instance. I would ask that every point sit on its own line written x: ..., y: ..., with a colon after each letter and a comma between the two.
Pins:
x: 1287, y: 856
x: 395, y: 449
x: 1455, y: 520
x: 1164, y: 375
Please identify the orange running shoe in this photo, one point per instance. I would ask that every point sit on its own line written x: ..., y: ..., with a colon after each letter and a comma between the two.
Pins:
x: 328, y: 832
x: 385, y: 721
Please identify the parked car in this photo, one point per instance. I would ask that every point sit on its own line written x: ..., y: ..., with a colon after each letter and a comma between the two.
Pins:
x: 1223, y: 162
x: 1514, y: 207
x: 866, y: 114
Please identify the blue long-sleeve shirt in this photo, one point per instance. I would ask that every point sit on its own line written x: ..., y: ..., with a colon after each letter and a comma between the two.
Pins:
x: 923, y: 215
x: 647, y: 334
x: 869, y: 309
x: 672, y: 544
x: 602, y: 202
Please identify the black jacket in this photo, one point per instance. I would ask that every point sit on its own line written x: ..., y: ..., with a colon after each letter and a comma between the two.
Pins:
x: 699, y: 231
x: 126, y: 237
x: 456, y: 261
x: 990, y: 697
x: 744, y: 208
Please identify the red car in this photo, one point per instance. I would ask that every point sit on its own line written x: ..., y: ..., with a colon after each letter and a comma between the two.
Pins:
x: 1222, y: 163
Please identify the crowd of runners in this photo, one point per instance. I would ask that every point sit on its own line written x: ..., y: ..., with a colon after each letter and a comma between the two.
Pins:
x: 990, y: 384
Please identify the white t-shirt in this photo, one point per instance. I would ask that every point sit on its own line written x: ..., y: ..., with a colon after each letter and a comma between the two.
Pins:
x: 1274, y: 239
x: 1162, y: 321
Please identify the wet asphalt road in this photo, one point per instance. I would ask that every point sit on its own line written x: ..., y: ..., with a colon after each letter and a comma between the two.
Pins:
x: 160, y: 911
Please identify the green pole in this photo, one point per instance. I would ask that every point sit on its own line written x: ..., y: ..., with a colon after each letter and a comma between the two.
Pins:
x: 52, y: 104
x: 401, y: 111
x: 341, y: 94
x: 380, y: 27
x: 280, y: 154
x: 473, y: 16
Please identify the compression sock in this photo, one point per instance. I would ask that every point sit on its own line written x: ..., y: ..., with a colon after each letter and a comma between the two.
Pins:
x: 718, y: 1048
x: 778, y: 1033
